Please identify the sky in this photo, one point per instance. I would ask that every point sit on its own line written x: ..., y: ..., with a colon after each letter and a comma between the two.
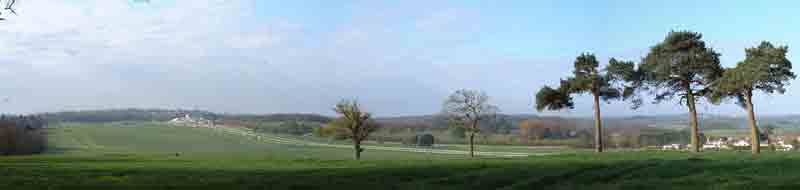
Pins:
x: 394, y: 57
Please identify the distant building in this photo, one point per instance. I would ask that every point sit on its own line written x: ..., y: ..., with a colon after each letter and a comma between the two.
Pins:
x: 742, y: 143
x: 718, y: 144
x: 781, y: 145
x: 671, y: 147
x: 188, y: 121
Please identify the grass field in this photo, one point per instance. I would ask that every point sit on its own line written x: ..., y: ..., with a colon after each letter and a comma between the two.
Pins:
x: 156, y: 139
x: 143, y: 157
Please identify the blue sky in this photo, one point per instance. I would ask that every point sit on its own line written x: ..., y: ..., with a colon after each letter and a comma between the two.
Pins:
x: 396, y: 57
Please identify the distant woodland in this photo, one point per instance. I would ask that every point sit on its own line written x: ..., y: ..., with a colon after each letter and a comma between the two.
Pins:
x: 27, y: 134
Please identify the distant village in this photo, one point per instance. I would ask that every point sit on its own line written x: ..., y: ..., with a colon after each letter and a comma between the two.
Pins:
x: 731, y: 143
x: 187, y: 120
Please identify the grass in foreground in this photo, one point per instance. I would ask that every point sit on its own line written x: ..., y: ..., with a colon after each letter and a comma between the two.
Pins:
x: 94, y: 158
x: 633, y: 170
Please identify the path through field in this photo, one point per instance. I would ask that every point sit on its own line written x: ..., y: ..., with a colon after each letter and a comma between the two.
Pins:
x: 282, y: 140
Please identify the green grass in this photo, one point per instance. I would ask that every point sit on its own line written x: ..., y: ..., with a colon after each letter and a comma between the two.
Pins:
x: 155, y: 139
x: 441, y: 146
x: 728, y: 132
x: 142, y: 157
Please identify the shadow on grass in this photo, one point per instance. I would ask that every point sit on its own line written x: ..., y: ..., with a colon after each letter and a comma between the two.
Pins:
x: 542, y: 173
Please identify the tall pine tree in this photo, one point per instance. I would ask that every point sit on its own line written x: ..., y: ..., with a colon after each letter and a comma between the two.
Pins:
x: 587, y: 78
x: 682, y: 66
x: 764, y: 69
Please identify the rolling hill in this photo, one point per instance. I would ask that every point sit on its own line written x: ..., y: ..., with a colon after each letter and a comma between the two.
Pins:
x: 672, y: 121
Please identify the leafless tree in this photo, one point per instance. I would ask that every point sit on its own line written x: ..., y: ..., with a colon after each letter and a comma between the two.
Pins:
x: 467, y: 108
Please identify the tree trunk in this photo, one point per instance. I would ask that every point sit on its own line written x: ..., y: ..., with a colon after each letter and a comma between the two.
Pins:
x: 598, y: 130
x: 755, y: 145
x: 472, y: 144
x: 695, y: 138
x: 357, y: 149
x: 769, y: 141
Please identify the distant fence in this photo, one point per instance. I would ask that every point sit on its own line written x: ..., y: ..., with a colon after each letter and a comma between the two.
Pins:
x: 20, y: 135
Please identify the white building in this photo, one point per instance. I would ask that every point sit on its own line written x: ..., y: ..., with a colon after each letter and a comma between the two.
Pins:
x: 715, y: 145
x: 671, y: 147
x: 783, y: 146
x: 188, y: 121
x: 741, y: 143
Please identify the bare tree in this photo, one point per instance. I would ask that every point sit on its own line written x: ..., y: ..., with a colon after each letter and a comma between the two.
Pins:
x: 466, y: 109
x: 8, y: 6
x: 358, y: 123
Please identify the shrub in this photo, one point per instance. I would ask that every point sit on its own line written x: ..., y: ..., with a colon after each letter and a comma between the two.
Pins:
x: 426, y: 140
x: 22, y: 135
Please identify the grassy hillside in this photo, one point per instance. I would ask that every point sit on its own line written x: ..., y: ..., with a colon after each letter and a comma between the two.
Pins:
x: 156, y: 139
x: 118, y: 156
x: 668, y: 121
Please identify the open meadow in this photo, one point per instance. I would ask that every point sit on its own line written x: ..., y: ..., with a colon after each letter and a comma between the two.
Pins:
x: 153, y: 156
x: 399, y: 95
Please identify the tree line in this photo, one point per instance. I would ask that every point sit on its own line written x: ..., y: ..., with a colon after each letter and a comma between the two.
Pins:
x: 681, y: 68
x: 117, y: 115
x: 132, y: 114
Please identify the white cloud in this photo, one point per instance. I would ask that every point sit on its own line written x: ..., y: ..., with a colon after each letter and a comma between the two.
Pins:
x: 218, y: 55
x: 106, y: 32
x: 54, y: 52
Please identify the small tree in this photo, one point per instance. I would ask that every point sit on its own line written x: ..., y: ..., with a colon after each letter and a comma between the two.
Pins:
x: 587, y: 79
x: 466, y: 109
x: 764, y: 69
x: 682, y: 66
x: 358, y: 123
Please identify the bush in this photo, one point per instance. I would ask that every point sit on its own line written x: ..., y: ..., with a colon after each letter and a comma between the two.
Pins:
x: 21, y: 136
x: 425, y: 140
x: 410, y: 140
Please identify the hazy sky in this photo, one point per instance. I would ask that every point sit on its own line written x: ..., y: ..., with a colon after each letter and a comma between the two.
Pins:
x: 396, y: 57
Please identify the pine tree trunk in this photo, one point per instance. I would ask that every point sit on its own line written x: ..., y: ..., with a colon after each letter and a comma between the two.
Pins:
x: 755, y: 145
x: 695, y: 138
x: 598, y: 130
